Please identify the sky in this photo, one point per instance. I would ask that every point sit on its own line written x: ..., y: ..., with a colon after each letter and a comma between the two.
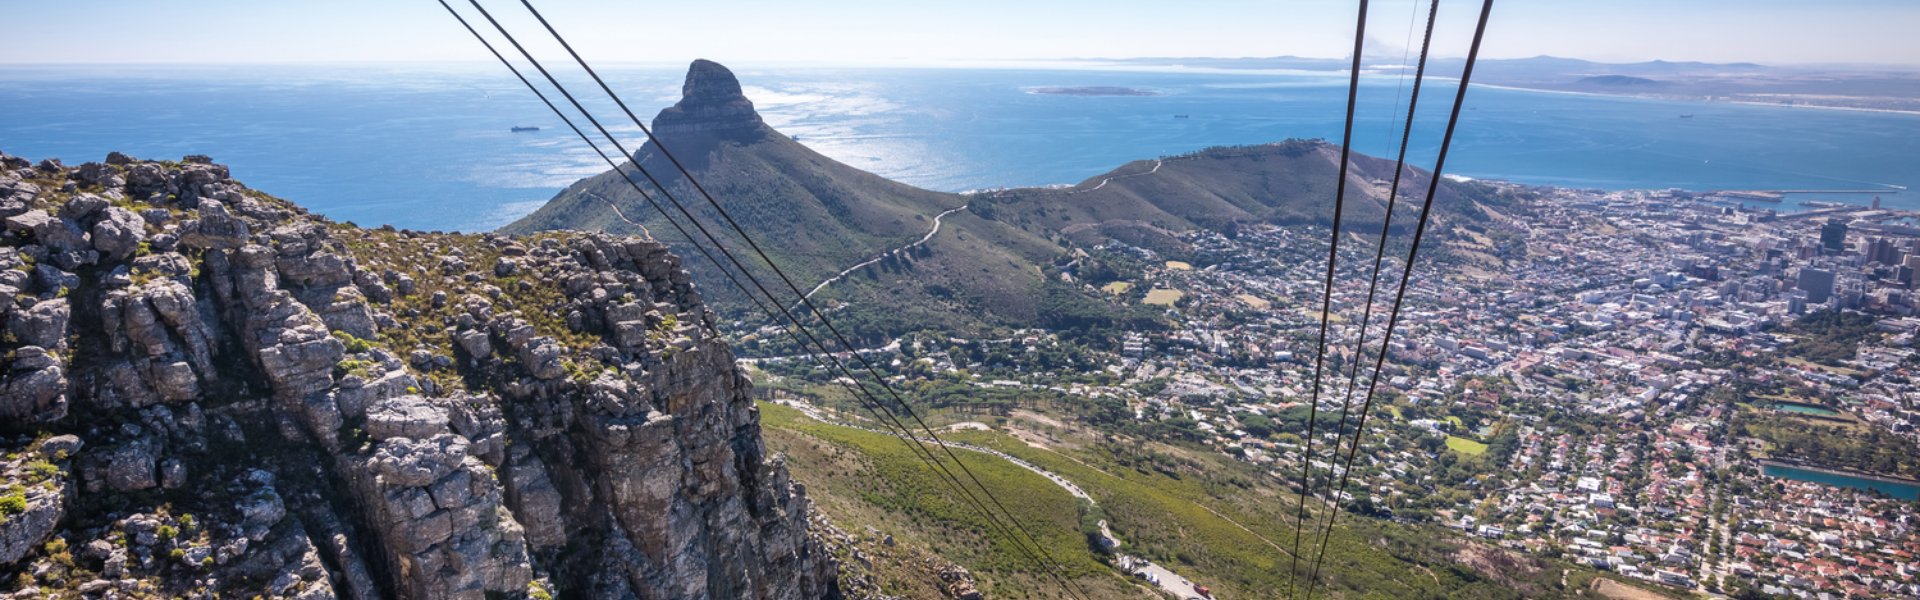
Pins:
x: 910, y: 32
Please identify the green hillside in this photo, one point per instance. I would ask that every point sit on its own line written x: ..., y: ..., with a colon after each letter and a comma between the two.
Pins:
x: 991, y: 263
x: 815, y: 217
x: 1204, y: 516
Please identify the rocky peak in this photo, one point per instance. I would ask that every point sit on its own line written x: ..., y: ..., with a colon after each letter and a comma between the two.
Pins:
x: 207, y: 392
x: 710, y: 100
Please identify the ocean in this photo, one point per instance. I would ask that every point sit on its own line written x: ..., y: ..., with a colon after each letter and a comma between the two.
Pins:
x: 429, y: 147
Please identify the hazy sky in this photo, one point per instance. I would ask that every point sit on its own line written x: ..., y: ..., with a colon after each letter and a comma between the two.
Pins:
x: 913, y: 31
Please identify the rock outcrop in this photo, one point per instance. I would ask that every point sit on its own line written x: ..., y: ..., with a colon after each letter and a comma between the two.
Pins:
x: 207, y: 392
x: 711, y: 100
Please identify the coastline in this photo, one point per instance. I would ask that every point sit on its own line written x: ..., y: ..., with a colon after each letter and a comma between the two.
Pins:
x: 1690, y: 99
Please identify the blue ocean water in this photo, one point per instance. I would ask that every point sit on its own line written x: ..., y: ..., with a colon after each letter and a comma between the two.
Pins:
x: 1903, y: 491
x: 428, y: 146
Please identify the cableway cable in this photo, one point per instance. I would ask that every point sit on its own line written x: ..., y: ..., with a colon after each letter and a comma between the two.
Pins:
x: 1380, y: 252
x: 1326, y: 297
x: 1406, y: 273
x: 755, y: 246
x: 860, y: 393
x: 1386, y: 225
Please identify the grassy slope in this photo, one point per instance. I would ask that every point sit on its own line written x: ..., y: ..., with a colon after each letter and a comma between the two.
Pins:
x: 863, y: 479
x: 1466, y: 446
x: 1291, y: 182
x: 815, y: 216
x: 1222, y: 530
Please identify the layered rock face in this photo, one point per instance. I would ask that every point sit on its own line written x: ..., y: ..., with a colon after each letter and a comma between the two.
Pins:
x: 710, y: 100
x: 207, y: 392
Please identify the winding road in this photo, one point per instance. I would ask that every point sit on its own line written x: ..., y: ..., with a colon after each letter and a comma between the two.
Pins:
x: 1157, y: 163
x: 1103, y: 182
x: 883, y: 255
x: 1069, y: 191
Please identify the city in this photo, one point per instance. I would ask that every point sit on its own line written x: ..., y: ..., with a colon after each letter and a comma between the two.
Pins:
x: 1635, y: 381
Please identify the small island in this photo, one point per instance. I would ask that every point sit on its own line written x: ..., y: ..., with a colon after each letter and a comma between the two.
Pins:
x: 1093, y: 90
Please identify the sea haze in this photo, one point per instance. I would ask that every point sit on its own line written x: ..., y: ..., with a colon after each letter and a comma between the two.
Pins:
x: 429, y: 147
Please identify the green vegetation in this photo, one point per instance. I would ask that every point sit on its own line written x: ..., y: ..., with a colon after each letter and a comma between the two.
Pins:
x: 41, y: 470
x: 538, y: 591
x: 1065, y: 307
x: 13, y: 502
x: 1221, y: 523
x: 354, y: 345
x: 538, y: 300
x: 1830, y: 337
x: 1870, y: 449
x: 1210, y: 518
x: 878, y: 476
x: 1467, y: 446
x: 354, y: 366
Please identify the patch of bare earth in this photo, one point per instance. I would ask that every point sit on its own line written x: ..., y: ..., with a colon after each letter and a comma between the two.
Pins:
x: 1038, y: 418
x: 1608, y: 588
x: 1500, y: 565
x: 1030, y: 438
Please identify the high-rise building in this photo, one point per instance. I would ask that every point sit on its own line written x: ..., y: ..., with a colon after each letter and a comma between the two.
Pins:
x: 1817, y: 283
x: 1883, y: 251
x: 1833, y: 235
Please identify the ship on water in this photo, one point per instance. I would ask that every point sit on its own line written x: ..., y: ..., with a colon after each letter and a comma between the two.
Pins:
x: 520, y: 128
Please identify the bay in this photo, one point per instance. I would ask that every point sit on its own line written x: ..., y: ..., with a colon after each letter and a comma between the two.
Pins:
x: 429, y: 146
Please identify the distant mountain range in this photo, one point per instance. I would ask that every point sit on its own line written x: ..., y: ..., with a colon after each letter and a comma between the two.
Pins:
x: 1832, y: 86
x: 996, y: 257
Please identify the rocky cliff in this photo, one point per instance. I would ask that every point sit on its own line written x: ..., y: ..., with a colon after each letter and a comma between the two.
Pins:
x: 207, y: 392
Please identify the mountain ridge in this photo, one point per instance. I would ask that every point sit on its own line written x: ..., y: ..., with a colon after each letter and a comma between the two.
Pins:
x: 817, y: 216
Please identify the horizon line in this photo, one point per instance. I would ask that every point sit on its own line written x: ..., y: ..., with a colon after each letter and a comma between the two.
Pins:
x: 937, y: 62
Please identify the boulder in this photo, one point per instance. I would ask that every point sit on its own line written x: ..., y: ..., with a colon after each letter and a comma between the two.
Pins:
x: 407, y: 416
x: 57, y: 234
x: 34, y: 389
x: 60, y: 447
x: 52, y: 279
x: 23, y: 533
x: 215, y: 229
x: 82, y: 208
x: 476, y: 343
x: 44, y: 324
x: 543, y: 359
x: 132, y: 466
x: 414, y: 463
x: 173, y: 474
x: 94, y: 173
x: 118, y: 233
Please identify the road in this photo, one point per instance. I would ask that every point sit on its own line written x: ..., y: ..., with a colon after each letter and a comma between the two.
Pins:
x: 883, y: 255
x: 1103, y: 182
x: 1069, y: 191
x: 1173, y: 582
x: 817, y: 415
